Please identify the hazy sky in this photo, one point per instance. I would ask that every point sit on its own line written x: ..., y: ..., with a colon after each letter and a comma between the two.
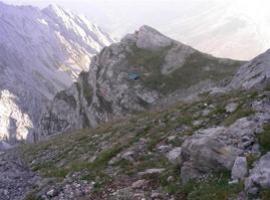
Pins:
x: 213, y: 26
x: 121, y: 16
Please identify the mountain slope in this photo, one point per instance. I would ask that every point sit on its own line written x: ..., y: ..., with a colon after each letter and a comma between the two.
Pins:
x: 255, y: 74
x: 216, y: 146
x: 41, y: 53
x: 132, y: 76
x: 157, y: 155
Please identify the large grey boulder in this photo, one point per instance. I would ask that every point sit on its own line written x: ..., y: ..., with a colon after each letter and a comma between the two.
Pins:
x: 208, y: 153
x: 259, y: 175
x: 219, y: 148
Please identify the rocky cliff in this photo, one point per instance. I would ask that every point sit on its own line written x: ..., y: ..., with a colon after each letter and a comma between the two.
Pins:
x: 144, y: 69
x: 255, y: 74
x: 41, y: 53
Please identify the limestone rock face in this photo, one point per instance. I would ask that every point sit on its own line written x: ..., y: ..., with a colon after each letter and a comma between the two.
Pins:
x: 129, y: 77
x: 41, y: 53
x: 255, y: 74
x: 149, y: 38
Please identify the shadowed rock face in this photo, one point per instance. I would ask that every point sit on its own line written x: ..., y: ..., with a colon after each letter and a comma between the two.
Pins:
x: 163, y: 68
x: 41, y: 53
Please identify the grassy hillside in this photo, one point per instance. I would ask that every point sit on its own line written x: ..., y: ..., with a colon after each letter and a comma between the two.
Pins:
x: 114, y: 155
x: 191, y: 73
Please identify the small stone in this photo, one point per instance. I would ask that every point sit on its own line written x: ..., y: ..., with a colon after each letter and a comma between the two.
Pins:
x: 152, y: 171
x: 164, y: 149
x: 197, y: 123
x: 206, y: 112
x: 51, y: 193
x: 170, y: 179
x: 230, y: 108
x: 171, y: 138
x: 139, y: 184
x: 156, y: 195
x: 233, y: 182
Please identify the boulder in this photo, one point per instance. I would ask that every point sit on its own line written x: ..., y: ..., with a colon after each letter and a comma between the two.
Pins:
x: 240, y: 168
x: 208, y: 152
x: 259, y: 175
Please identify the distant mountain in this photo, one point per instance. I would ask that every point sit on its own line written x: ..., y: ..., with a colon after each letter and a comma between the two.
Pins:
x: 41, y: 53
x: 143, y: 70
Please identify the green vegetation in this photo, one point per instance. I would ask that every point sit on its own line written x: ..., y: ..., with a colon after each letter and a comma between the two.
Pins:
x: 242, y: 111
x: 191, y: 73
x: 213, y: 188
x: 264, y: 139
x: 67, y: 98
x: 86, y: 87
x: 90, y: 151
x: 265, y: 194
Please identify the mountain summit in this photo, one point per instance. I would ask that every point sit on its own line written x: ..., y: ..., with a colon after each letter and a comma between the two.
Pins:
x: 41, y: 53
x: 146, y: 68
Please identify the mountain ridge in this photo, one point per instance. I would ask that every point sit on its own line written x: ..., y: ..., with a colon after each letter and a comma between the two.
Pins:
x: 131, y: 76
x: 39, y: 56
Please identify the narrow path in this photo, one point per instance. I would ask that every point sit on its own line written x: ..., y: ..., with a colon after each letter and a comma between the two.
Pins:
x: 16, y: 179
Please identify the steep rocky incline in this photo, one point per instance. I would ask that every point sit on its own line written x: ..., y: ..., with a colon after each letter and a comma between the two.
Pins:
x: 41, y: 53
x: 131, y: 76
x: 255, y: 74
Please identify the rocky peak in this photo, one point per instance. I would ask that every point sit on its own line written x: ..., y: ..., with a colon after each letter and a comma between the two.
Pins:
x: 149, y: 38
x: 132, y: 76
x: 255, y: 74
